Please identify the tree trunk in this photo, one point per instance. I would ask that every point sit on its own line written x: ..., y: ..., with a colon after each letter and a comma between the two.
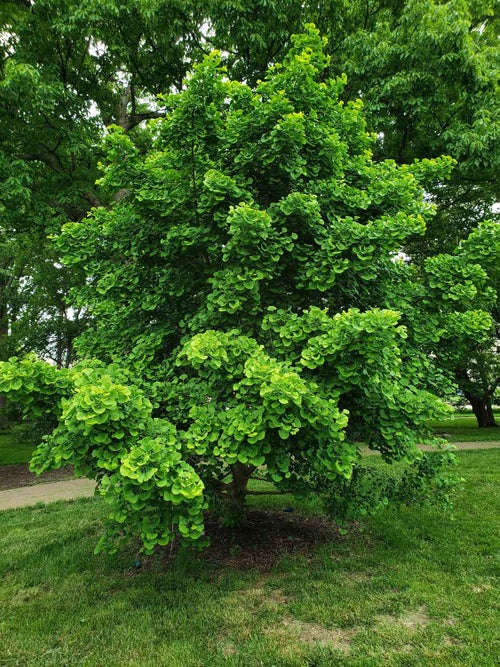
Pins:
x: 4, y: 422
x: 4, y: 332
x: 483, y: 411
x: 489, y: 412
x: 235, y: 496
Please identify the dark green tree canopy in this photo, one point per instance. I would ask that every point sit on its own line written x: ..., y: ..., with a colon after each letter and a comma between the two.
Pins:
x: 68, y: 68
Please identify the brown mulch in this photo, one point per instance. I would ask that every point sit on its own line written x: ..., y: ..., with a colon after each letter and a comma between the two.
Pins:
x: 268, y: 536
x: 15, y: 476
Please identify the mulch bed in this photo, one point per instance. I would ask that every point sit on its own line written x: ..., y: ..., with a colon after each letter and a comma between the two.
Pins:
x: 15, y: 476
x: 268, y: 536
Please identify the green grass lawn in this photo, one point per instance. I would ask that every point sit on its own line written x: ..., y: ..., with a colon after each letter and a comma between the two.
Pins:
x: 416, y: 587
x: 12, y: 450
x: 464, y: 428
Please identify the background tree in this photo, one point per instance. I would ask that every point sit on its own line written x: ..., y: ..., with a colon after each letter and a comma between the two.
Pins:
x: 68, y: 68
x: 450, y: 307
x: 427, y: 77
x: 474, y: 363
x: 237, y: 287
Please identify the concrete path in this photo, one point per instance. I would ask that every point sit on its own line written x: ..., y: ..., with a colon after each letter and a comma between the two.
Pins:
x: 46, y: 493
x: 469, y: 445
x: 80, y: 488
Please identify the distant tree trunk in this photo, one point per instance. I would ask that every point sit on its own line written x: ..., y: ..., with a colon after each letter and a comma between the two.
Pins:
x: 483, y: 411
x: 489, y: 411
x: 4, y: 332
x: 69, y: 351
x: 4, y: 422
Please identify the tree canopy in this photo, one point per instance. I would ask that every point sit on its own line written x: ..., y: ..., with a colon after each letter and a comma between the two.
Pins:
x: 238, y: 277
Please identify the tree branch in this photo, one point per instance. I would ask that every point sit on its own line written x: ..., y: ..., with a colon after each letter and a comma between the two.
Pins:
x: 136, y: 118
x: 267, y: 493
x: 48, y: 159
x: 21, y: 3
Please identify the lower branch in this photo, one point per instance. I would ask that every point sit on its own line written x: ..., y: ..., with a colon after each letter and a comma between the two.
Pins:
x: 268, y: 493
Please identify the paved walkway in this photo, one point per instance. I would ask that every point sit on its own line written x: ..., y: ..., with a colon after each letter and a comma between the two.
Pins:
x: 81, y: 488
x: 470, y: 445
x: 46, y: 493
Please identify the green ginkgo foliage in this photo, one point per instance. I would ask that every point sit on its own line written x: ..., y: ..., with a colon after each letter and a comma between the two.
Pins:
x: 236, y: 282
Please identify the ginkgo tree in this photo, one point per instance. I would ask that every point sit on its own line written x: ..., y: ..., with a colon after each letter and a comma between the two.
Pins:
x: 237, y: 275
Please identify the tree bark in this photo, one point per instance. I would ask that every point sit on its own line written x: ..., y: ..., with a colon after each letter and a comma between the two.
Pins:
x: 4, y: 421
x: 235, y: 495
x: 4, y: 332
x: 483, y: 411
